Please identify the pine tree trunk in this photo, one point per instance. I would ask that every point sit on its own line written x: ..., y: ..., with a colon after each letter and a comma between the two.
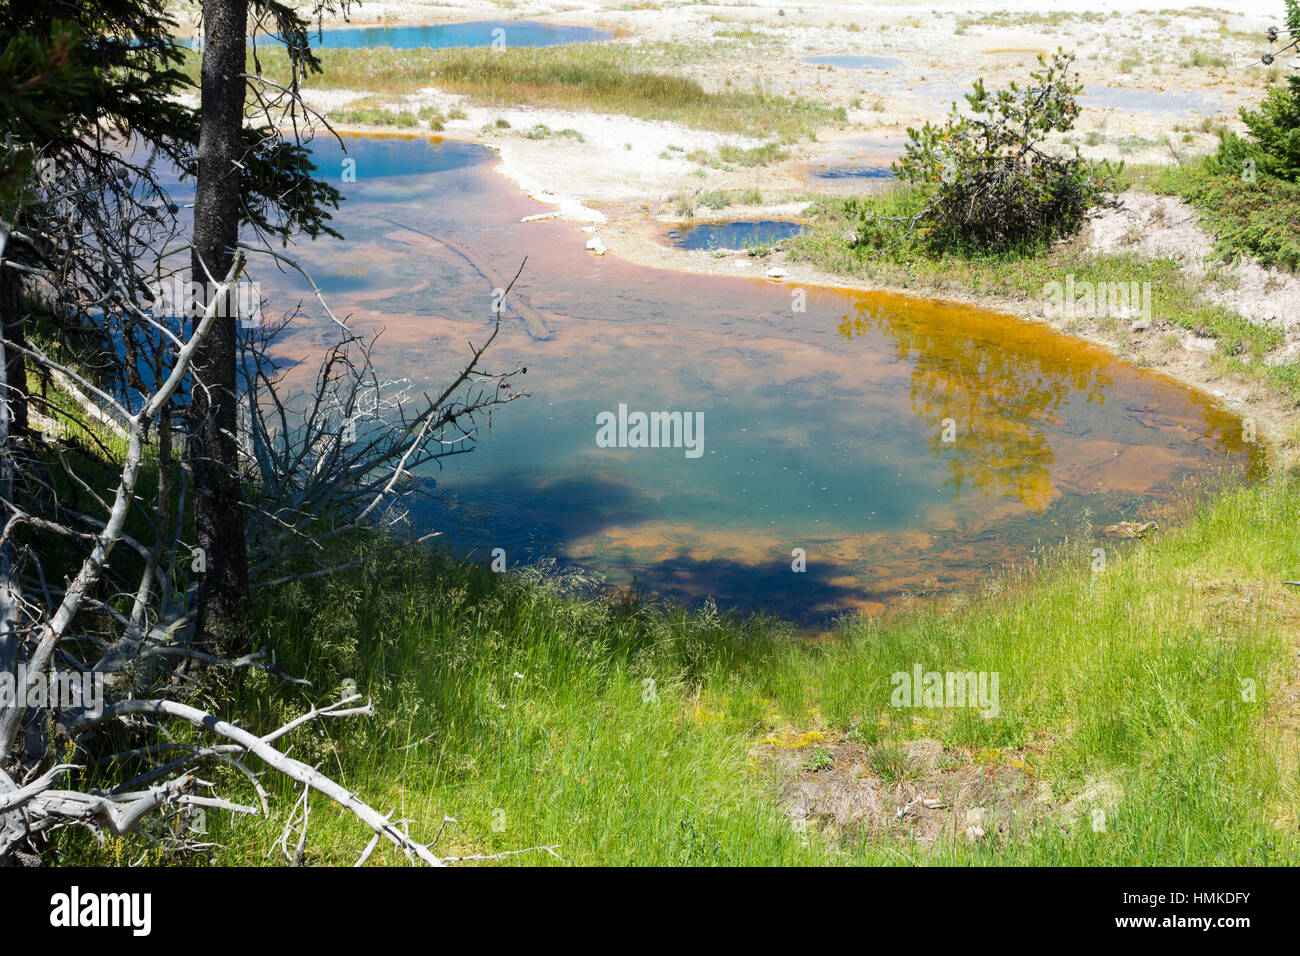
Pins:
x: 10, y: 594
x: 11, y: 621
x: 222, y: 622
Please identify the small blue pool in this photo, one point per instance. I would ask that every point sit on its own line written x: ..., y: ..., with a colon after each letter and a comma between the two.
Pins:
x: 847, y: 172
x: 739, y: 234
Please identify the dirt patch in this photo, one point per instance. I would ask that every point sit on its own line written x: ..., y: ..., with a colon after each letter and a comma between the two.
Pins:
x: 1166, y: 227
x: 921, y: 792
x: 1283, y: 719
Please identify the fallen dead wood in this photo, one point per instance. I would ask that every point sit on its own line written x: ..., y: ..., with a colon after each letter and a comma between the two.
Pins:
x: 532, y: 320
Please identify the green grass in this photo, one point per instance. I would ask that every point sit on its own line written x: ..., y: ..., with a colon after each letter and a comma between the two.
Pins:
x: 1202, y: 60
x: 628, y: 733
x: 727, y: 155
x: 722, y: 198
x: 742, y: 34
x: 597, y: 77
x: 374, y: 116
x: 542, y: 131
x: 372, y: 111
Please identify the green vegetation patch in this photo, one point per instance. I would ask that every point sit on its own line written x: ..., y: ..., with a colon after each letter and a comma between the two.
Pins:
x: 1260, y: 218
x: 597, y: 77
x: 538, y: 712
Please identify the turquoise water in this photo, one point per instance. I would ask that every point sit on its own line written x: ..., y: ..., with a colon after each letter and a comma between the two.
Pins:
x: 823, y: 426
x: 738, y: 234
x: 479, y: 33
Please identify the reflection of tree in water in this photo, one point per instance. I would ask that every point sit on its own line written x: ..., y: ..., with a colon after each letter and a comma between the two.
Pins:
x: 1002, y: 400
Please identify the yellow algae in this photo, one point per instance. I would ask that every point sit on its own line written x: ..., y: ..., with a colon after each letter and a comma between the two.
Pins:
x: 793, y: 741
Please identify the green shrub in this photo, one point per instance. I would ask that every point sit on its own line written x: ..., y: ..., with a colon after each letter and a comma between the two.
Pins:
x: 1259, y: 217
x: 991, y: 186
x: 435, y: 117
x: 1274, y: 144
x: 1276, y: 126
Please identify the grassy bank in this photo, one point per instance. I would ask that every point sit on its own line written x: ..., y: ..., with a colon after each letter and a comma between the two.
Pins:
x: 1162, y: 691
x: 595, y: 77
x: 1179, y: 300
x: 1259, y: 218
